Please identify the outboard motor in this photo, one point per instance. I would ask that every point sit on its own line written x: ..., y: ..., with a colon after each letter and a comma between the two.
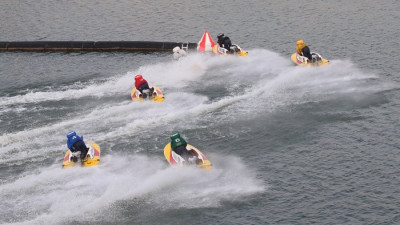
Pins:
x: 314, y: 59
x: 146, y: 93
x: 234, y: 49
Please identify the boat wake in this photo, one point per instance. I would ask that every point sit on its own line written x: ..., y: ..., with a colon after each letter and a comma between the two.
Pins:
x: 53, y: 195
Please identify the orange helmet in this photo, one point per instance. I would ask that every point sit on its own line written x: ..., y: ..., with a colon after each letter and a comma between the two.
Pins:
x: 138, y: 77
x: 300, y: 42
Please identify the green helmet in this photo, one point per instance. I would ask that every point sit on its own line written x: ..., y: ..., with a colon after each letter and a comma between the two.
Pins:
x: 177, y: 140
x: 176, y: 135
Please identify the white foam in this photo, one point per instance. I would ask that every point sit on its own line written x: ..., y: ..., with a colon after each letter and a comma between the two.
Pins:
x: 54, y: 195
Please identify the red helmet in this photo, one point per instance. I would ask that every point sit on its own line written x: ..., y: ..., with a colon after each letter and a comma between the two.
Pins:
x: 138, y: 77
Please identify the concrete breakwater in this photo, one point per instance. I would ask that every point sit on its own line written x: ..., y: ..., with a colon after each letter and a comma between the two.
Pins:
x: 92, y: 46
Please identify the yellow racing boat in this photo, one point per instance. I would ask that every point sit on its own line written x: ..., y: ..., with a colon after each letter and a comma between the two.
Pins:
x: 177, y: 160
x: 92, y: 157
x: 317, y: 60
x: 154, y: 94
x: 235, y: 50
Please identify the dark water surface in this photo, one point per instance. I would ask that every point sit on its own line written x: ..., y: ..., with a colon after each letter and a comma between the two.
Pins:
x: 289, y: 145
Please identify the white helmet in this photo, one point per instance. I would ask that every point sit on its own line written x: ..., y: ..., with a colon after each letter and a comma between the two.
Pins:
x: 176, y: 49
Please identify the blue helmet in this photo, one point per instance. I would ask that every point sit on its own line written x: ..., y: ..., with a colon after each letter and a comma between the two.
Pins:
x: 71, y: 134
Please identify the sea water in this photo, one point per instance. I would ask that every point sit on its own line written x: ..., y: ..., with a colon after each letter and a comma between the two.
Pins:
x: 289, y: 145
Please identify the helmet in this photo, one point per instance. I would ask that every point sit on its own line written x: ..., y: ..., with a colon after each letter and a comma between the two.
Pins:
x: 300, y: 42
x: 221, y: 35
x: 176, y: 49
x: 138, y: 77
x: 176, y: 135
x: 71, y: 134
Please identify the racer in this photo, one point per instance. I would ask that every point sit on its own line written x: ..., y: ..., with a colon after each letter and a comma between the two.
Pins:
x: 76, y: 144
x: 142, y: 86
x: 224, y: 42
x: 302, y: 49
x: 179, y: 146
x: 178, y: 53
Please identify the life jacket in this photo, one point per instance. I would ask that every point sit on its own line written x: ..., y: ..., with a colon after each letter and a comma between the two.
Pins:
x: 176, y: 141
x: 299, y: 48
x: 72, y: 139
x: 139, y: 82
x: 225, y: 42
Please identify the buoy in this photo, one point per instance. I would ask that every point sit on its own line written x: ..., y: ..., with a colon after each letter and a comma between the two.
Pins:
x: 206, y: 43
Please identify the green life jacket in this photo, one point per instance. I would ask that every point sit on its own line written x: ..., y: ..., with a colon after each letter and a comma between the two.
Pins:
x: 176, y: 141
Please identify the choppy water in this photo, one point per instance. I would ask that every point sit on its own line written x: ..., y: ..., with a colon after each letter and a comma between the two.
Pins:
x: 289, y: 145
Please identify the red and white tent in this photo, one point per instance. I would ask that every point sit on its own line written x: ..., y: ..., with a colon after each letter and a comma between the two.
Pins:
x: 206, y: 43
